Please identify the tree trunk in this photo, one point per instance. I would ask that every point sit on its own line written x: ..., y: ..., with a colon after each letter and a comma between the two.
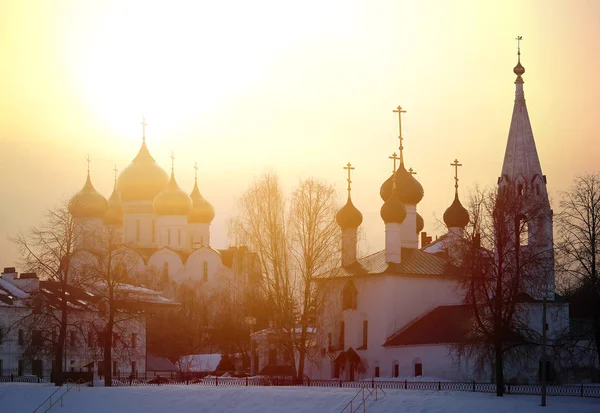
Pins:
x: 59, y: 350
x: 108, y: 352
x: 499, y: 369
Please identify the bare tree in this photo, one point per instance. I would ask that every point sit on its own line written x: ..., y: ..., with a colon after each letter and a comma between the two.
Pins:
x: 295, y: 241
x: 578, y: 249
x: 500, y: 273
x: 51, y: 251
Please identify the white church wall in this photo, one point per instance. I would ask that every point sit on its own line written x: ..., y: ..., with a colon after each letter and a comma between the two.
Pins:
x: 166, y: 259
x: 205, y: 265
x: 172, y: 231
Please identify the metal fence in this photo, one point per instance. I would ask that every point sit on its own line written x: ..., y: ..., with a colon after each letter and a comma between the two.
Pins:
x: 579, y: 390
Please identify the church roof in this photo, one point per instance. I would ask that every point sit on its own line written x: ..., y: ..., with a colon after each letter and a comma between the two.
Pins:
x: 445, y: 324
x: 414, y: 262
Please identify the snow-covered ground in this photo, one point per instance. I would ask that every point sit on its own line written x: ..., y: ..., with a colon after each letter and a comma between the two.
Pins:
x: 21, y: 397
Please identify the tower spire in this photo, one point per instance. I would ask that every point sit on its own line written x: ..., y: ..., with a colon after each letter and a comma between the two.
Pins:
x: 455, y: 164
x: 519, y: 69
x: 400, y: 111
x: 349, y: 168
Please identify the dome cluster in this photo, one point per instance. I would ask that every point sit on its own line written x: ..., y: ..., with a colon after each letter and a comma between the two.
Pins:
x: 142, y: 181
x: 409, y: 190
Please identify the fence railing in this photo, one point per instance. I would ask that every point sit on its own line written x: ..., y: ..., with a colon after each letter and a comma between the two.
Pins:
x: 577, y: 390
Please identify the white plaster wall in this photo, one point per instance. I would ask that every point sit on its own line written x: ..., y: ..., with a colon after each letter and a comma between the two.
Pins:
x: 177, y: 225
x: 175, y: 265
x: 217, y: 275
x: 408, y: 228
x: 148, y: 230
x: 199, y: 235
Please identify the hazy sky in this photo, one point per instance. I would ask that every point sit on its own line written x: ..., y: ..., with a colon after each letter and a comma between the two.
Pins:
x: 299, y: 87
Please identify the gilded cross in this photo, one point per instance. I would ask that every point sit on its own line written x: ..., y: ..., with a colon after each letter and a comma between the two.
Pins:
x: 196, y: 170
x: 115, y: 170
x: 349, y: 168
x: 88, y: 160
x: 400, y: 111
x: 455, y: 164
x: 395, y: 158
x: 411, y: 171
x: 172, y: 161
x: 518, y: 39
x: 144, y: 124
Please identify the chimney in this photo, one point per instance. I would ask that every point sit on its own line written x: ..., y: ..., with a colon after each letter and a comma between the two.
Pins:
x: 9, y: 274
x: 425, y: 240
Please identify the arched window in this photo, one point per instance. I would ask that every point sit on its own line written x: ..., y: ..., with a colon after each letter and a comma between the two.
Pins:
x: 349, y: 296
x: 153, y: 231
x: 523, y: 232
x: 205, y: 271
x: 395, y: 369
x: 178, y: 237
x: 418, y: 367
x: 169, y: 236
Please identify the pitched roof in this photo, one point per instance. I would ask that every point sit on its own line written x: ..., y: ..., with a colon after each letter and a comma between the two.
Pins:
x: 159, y: 364
x: 445, y: 324
x: 414, y: 262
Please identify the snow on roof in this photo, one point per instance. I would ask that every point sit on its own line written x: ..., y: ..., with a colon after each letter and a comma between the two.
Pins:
x: 13, y: 289
x: 200, y: 362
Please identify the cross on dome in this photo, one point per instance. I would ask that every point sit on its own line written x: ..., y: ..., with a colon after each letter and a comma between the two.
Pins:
x: 88, y: 160
x: 115, y: 170
x: 395, y: 158
x: 195, y: 170
x: 400, y: 111
x: 172, y: 161
x: 144, y: 124
x: 349, y: 168
x: 455, y: 164
x: 412, y: 171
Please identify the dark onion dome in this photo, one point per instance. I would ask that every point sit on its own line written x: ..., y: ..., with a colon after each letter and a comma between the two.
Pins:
x: 456, y: 215
x: 114, y: 212
x: 420, y: 223
x: 409, y: 189
x: 393, y: 210
x: 172, y: 200
x: 143, y: 179
x: 87, y: 203
x: 202, y: 212
x: 349, y: 216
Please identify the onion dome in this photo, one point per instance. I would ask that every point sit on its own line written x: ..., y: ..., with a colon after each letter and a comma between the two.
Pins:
x: 87, y: 203
x: 114, y: 212
x: 143, y: 179
x: 409, y: 189
x: 349, y: 216
x: 172, y: 200
x: 393, y: 210
x: 202, y: 212
x: 420, y: 223
x: 456, y: 215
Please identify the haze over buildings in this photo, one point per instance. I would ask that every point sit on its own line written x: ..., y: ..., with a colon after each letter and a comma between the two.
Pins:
x: 297, y: 88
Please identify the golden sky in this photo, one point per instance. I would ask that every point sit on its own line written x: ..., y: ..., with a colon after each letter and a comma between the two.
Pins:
x: 301, y: 88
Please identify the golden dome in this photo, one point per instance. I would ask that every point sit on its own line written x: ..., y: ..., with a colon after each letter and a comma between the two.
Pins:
x: 114, y: 212
x: 143, y: 179
x: 172, y: 200
x: 87, y: 203
x: 202, y: 211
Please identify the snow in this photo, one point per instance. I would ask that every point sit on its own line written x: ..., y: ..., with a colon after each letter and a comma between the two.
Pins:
x: 17, y: 398
x: 200, y: 362
x: 14, y: 290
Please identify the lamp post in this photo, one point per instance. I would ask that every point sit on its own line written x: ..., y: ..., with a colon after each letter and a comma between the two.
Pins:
x: 544, y: 371
x: 251, y: 321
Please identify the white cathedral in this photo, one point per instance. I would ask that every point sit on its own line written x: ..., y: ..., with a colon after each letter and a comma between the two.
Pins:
x: 397, y: 312
x: 167, y: 230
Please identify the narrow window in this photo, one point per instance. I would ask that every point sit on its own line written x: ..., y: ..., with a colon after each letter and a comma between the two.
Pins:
x: 365, y: 334
x: 205, y: 271
x: 377, y: 371
x: 36, y: 338
x: 178, y: 237
x: 349, y: 296
x: 133, y: 340
x: 1, y: 366
x: 1, y: 341
x: 342, y: 334
x: 523, y: 233
x: 520, y: 190
x: 36, y: 368
x: 21, y: 367
x: 72, y: 338
x: 114, y: 367
x: 137, y: 230
x: 169, y: 236
x: 396, y: 369
x: 166, y: 269
x: 21, y: 338
x: 537, y: 189
x: 134, y: 368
